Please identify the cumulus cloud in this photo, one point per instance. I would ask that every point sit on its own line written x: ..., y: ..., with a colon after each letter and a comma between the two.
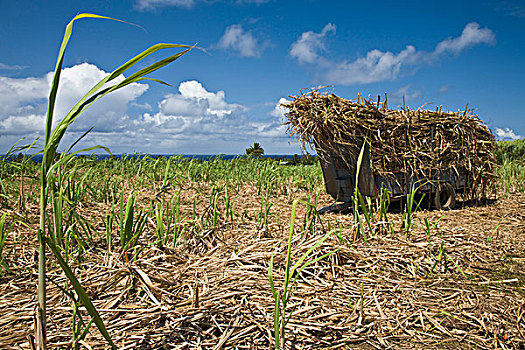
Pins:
x: 243, y: 43
x: 23, y: 102
x: 107, y: 113
x: 192, y: 120
x: 375, y: 66
x: 197, y: 111
x: 16, y: 125
x: 308, y: 47
x: 379, y: 65
x: 279, y: 110
x: 195, y: 117
x: 193, y: 108
x: 507, y: 134
x: 19, y: 95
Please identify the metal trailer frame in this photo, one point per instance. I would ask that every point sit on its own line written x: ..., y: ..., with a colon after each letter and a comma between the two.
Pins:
x: 440, y: 185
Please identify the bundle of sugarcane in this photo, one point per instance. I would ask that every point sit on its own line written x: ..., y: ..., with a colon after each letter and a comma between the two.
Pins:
x: 412, y: 141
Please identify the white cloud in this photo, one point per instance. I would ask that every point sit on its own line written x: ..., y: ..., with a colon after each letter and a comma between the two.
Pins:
x: 308, y: 47
x: 252, y: 1
x: 472, y: 35
x: 22, y: 125
x: 4, y: 66
x: 377, y: 65
x: 409, y: 94
x: 193, y: 105
x: 23, y: 102
x: 507, y: 134
x: 444, y: 89
x: 243, y: 43
x: 148, y: 5
x: 512, y: 8
x: 279, y: 110
x: 17, y: 94
x: 196, y: 118
x: 109, y: 112
x: 192, y: 120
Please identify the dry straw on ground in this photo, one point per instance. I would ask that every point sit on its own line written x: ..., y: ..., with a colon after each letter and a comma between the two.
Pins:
x: 412, y: 141
x: 213, y: 293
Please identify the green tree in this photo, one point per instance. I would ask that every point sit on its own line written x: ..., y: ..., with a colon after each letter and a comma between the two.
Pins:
x: 255, y: 150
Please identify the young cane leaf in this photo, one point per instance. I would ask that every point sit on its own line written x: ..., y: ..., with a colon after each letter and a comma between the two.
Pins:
x: 359, y: 162
x: 88, y: 99
x: 68, y: 157
x: 300, y: 266
x: 78, y: 140
x: 84, y: 298
x: 313, y: 261
x: 270, y: 276
x: 11, y: 150
x: 3, y: 235
x: 289, y: 249
x: 309, y: 251
x: 58, y: 69
x: 157, y: 81
x: 276, y: 317
x: 49, y: 164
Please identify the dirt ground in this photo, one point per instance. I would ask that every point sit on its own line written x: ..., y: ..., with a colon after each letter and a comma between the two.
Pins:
x: 461, y: 285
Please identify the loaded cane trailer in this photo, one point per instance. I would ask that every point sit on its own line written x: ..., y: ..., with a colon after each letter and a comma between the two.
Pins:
x: 441, y: 154
x: 440, y: 186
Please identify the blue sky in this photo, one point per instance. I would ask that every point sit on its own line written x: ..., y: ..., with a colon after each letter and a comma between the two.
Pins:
x: 255, y: 54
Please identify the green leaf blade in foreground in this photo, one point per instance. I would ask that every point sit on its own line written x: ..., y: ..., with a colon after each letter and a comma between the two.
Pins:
x: 49, y: 152
x: 65, y: 159
x: 92, y: 95
x: 49, y: 163
x: 84, y: 298
x: 58, y: 71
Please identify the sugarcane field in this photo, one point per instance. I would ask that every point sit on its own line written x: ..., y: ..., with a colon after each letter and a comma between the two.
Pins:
x: 178, y: 253
x: 395, y: 227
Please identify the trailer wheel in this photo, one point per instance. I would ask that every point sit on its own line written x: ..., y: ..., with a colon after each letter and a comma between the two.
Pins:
x: 445, y: 196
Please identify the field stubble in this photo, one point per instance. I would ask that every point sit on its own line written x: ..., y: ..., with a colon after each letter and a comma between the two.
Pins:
x: 453, y: 280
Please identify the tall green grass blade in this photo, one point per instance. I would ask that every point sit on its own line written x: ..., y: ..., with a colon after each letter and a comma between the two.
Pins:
x: 126, y: 232
x: 4, y: 231
x: 54, y: 136
x: 439, y: 257
x: 91, y: 96
x: 357, y: 194
x: 84, y: 298
x: 277, y: 305
x: 300, y: 269
x: 289, y: 248
x: 270, y: 275
x: 276, y: 320
x: 457, y: 266
x: 281, y: 297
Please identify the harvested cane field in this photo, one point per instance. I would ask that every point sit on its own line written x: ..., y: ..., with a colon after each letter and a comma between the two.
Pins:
x: 176, y: 255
